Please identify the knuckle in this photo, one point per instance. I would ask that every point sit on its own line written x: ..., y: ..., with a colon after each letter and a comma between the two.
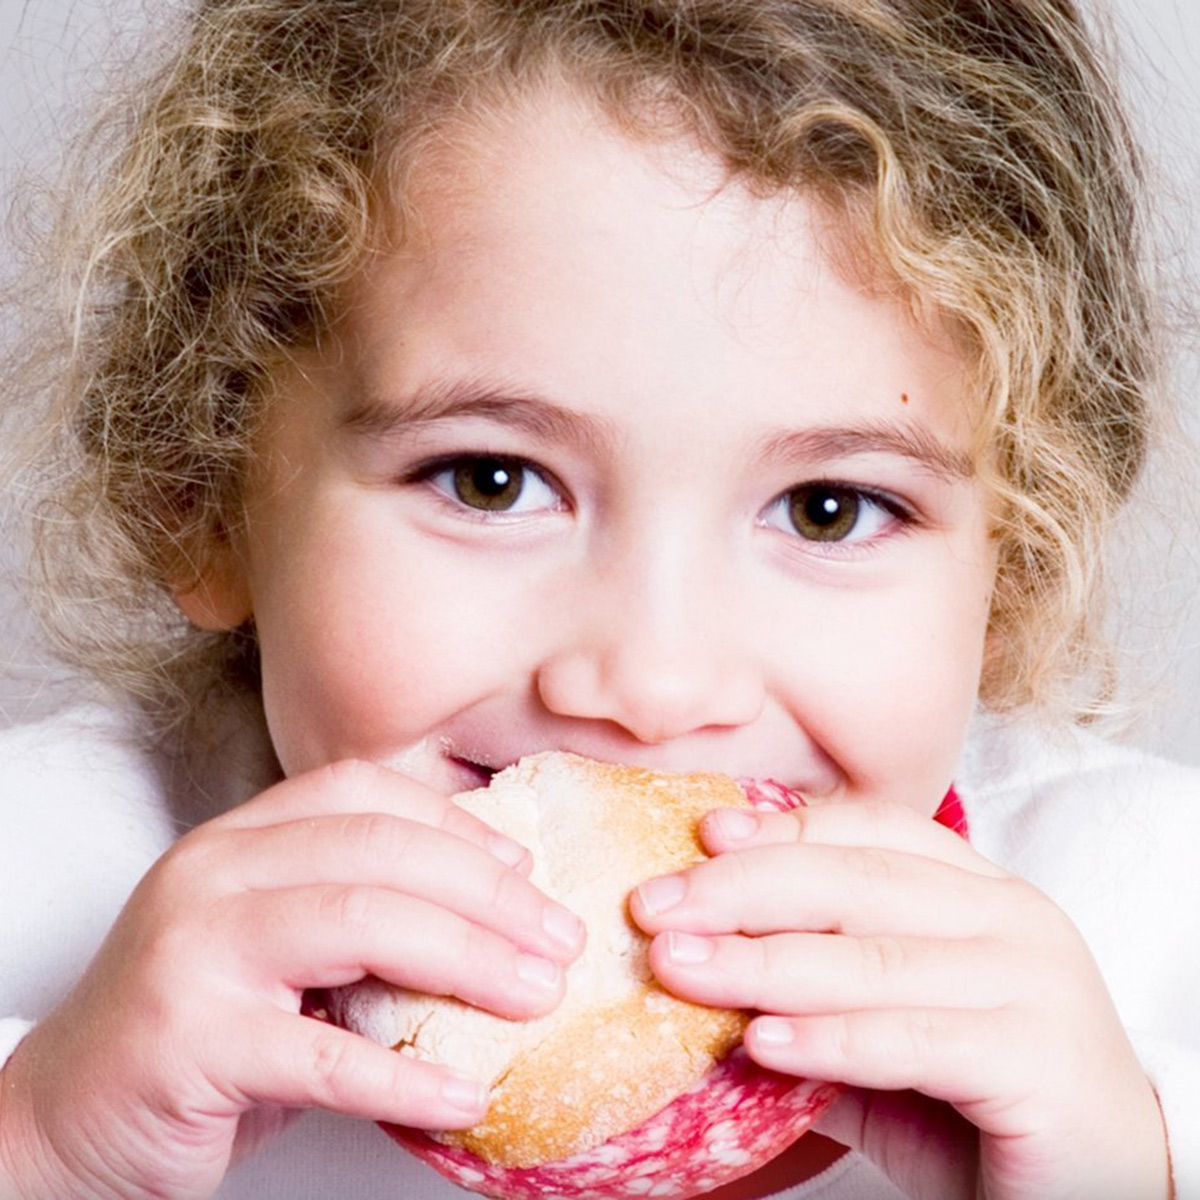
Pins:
x: 1028, y: 908
x: 372, y: 836
x: 349, y: 780
x: 880, y: 960
x: 507, y: 894
x: 350, y: 906
x: 191, y: 858
x: 329, y: 1065
x: 160, y: 975
x: 731, y: 873
x: 769, y: 971
x: 719, y: 891
x: 924, y: 1042
x: 844, y: 1042
x: 491, y: 955
x: 871, y: 866
x: 478, y: 944
x: 174, y: 903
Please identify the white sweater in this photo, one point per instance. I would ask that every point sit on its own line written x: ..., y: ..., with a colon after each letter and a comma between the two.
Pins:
x: 1110, y: 833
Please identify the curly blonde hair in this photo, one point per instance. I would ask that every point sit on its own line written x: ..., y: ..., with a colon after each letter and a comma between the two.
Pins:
x: 977, y: 145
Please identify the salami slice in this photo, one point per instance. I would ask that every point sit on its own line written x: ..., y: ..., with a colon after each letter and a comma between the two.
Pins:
x: 737, y: 1118
x: 769, y: 793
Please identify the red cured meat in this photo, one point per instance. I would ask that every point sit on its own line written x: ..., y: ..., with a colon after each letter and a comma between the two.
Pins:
x: 737, y: 1118
x: 769, y: 793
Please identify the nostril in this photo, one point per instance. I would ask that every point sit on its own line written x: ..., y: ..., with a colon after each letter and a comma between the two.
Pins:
x: 654, y: 691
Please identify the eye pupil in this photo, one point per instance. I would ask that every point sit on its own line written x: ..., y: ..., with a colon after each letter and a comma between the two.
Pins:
x: 824, y: 514
x: 492, y: 480
x: 489, y: 483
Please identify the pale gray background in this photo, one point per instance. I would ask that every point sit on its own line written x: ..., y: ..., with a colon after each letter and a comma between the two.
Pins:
x: 53, y: 52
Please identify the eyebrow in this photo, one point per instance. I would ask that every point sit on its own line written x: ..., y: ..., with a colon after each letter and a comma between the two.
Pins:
x: 907, y: 441
x: 444, y: 400
x: 525, y: 410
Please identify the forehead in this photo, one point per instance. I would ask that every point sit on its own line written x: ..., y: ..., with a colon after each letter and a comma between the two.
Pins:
x: 547, y: 178
x: 544, y: 244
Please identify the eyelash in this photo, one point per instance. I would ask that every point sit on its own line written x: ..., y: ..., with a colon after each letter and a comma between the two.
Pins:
x: 903, y: 517
x: 426, y: 472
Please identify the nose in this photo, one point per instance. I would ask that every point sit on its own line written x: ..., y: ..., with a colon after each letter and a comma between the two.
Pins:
x: 661, y: 652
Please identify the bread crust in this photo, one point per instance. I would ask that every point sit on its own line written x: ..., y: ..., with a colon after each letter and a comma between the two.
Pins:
x: 618, y: 1048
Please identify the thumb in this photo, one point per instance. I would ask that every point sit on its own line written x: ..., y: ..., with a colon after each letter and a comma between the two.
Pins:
x: 923, y: 1146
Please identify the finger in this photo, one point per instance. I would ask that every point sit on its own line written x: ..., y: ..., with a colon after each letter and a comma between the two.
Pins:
x: 355, y: 786
x: 882, y: 826
x: 820, y: 888
x: 331, y: 935
x: 381, y: 850
x: 823, y: 973
x: 927, y: 1149
x: 296, y: 1062
x: 936, y: 1051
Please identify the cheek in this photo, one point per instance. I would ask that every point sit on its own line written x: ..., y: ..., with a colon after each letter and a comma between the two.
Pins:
x: 889, y: 686
x: 365, y: 651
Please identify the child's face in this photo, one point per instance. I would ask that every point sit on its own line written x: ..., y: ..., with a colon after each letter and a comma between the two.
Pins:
x: 560, y: 480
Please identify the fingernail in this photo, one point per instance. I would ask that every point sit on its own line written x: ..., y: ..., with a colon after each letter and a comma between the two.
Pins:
x: 658, y: 895
x: 735, y: 825
x: 510, y: 853
x: 562, y: 926
x: 467, y: 1095
x: 687, y: 949
x: 541, y: 972
x: 774, y: 1031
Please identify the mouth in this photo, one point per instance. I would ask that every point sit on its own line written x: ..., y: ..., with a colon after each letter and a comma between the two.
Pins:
x: 762, y: 791
x: 474, y: 774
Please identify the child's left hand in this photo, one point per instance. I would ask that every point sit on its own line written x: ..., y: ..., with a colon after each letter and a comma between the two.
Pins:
x: 885, y: 953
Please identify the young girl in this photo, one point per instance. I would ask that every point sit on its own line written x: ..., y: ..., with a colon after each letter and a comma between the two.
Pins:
x: 739, y: 385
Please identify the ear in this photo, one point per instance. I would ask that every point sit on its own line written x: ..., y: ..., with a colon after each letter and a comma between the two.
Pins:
x: 217, y: 597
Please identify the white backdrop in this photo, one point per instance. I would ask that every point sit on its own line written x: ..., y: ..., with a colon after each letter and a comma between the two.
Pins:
x: 49, y: 54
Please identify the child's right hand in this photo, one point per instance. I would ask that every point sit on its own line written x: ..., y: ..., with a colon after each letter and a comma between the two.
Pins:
x: 187, y: 1024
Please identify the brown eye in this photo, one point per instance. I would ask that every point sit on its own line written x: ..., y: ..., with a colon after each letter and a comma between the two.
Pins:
x: 824, y: 514
x: 492, y: 484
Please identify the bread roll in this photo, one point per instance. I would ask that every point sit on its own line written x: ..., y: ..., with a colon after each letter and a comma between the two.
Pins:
x: 618, y: 1048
